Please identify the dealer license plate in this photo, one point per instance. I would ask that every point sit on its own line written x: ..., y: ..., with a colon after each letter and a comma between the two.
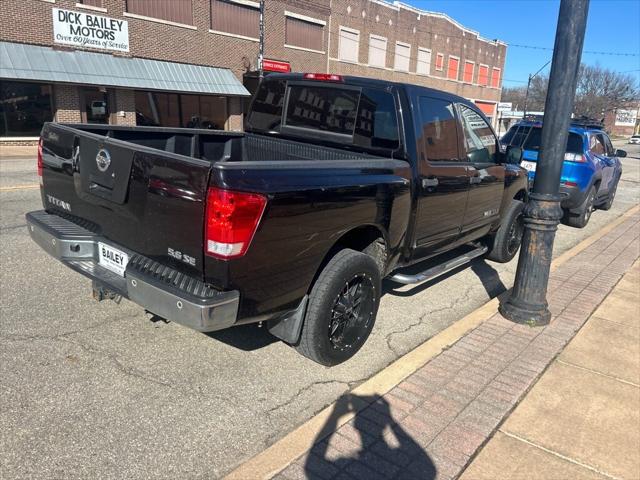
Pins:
x: 529, y: 166
x: 112, y: 258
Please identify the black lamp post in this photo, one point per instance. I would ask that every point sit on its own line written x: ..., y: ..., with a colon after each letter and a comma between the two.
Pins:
x: 528, y: 301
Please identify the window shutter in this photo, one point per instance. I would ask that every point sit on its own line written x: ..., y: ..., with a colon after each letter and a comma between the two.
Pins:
x: 304, y: 34
x: 495, y: 77
x: 452, y: 71
x: 424, y: 62
x: 402, y: 57
x: 377, y: 52
x: 349, y: 44
x: 179, y: 11
x: 235, y: 18
x: 468, y: 72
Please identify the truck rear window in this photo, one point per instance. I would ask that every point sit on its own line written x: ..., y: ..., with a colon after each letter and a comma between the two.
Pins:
x: 574, y: 141
x: 364, y: 117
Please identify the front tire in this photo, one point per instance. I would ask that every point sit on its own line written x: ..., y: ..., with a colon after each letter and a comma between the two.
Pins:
x: 342, y: 308
x: 506, y: 242
x: 580, y: 219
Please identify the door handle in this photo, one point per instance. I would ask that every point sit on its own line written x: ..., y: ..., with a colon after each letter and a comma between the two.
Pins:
x: 474, y: 180
x: 429, y: 182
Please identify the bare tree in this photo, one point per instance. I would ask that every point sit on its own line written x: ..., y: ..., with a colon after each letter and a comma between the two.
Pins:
x: 535, y: 99
x: 599, y: 91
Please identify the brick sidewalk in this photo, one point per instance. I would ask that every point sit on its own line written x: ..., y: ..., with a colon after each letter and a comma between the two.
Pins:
x: 432, y: 423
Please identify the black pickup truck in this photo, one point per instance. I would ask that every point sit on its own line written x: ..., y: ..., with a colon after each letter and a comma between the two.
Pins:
x: 336, y: 183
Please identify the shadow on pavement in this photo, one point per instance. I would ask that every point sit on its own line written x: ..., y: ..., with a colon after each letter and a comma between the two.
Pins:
x: 383, y: 438
x: 489, y: 277
x: 244, y: 337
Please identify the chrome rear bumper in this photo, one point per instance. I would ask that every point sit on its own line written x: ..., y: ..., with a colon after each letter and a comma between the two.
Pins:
x: 159, y: 289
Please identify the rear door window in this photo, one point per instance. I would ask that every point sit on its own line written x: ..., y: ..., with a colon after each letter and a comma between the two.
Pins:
x: 439, y: 130
x: 610, y: 151
x: 479, y: 140
x: 596, y: 144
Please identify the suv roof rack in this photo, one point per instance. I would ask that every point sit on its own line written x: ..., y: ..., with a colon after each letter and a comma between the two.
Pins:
x: 587, y: 122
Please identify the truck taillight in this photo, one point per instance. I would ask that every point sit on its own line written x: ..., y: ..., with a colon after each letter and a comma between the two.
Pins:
x: 231, y: 221
x: 324, y: 77
x: 40, y: 159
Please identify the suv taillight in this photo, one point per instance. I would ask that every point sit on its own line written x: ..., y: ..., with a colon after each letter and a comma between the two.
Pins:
x: 40, y: 160
x: 231, y: 221
x: 575, y: 157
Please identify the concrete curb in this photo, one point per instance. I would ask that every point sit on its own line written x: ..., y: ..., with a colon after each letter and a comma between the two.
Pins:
x: 286, y: 450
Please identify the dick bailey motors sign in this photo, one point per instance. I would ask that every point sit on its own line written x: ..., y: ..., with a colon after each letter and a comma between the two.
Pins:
x: 87, y: 30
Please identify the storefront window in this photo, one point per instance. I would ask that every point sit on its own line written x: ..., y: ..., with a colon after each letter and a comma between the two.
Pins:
x: 24, y: 107
x: 96, y: 105
x: 174, y: 110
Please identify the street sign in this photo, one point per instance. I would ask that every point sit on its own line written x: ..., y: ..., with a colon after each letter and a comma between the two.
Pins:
x: 504, y: 106
x: 276, y: 66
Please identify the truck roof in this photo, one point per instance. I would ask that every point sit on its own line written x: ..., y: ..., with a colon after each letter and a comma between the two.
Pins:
x: 374, y: 82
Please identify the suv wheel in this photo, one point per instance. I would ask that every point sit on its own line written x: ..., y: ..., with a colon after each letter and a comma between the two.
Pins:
x: 580, y: 219
x: 509, y: 236
x: 342, y: 308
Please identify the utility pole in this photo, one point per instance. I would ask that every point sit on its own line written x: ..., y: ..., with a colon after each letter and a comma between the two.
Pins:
x: 528, y: 301
x: 261, y: 43
x: 526, y: 95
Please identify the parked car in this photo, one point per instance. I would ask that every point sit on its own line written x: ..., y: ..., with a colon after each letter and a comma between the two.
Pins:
x: 634, y: 139
x: 336, y: 183
x: 590, y: 172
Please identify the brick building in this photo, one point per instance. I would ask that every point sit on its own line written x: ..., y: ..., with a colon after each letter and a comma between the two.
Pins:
x: 184, y: 62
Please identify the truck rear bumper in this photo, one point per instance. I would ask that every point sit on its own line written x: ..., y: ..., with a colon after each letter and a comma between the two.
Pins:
x: 155, y: 287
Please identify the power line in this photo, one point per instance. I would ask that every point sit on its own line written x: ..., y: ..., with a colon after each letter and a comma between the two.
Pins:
x: 477, y: 36
x: 617, y: 54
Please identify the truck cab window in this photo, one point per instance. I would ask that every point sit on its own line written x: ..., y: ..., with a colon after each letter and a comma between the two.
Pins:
x: 479, y: 140
x: 319, y: 108
x: 439, y: 133
x: 377, y: 121
x: 266, y: 111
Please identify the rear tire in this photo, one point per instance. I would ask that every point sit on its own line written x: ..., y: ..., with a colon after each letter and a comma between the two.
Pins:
x: 580, y: 219
x: 342, y: 308
x: 506, y: 242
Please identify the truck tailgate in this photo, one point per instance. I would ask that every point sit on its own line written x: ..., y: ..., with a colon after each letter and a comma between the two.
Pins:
x: 147, y: 200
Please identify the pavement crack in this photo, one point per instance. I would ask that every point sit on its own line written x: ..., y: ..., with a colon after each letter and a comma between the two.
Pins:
x: 62, y: 336
x: 136, y: 373
x: 303, y: 390
x: 421, y: 319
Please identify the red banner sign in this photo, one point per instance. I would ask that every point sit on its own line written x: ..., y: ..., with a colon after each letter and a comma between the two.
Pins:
x: 276, y: 66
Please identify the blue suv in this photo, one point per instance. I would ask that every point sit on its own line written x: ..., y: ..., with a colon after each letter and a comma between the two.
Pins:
x: 591, y: 168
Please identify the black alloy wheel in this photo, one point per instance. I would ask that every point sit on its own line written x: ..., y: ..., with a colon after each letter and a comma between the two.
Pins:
x: 516, y: 231
x: 352, y: 312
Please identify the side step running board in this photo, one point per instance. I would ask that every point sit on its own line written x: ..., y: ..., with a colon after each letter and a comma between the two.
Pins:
x: 441, y: 269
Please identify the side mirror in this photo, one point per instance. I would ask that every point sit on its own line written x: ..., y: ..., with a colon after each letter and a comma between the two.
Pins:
x: 514, y: 155
x: 620, y: 153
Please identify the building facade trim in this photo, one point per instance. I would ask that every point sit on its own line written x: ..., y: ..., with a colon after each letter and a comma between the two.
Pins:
x: 304, y: 18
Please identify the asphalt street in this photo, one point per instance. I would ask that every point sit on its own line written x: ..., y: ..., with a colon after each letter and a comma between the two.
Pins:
x: 97, y: 390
